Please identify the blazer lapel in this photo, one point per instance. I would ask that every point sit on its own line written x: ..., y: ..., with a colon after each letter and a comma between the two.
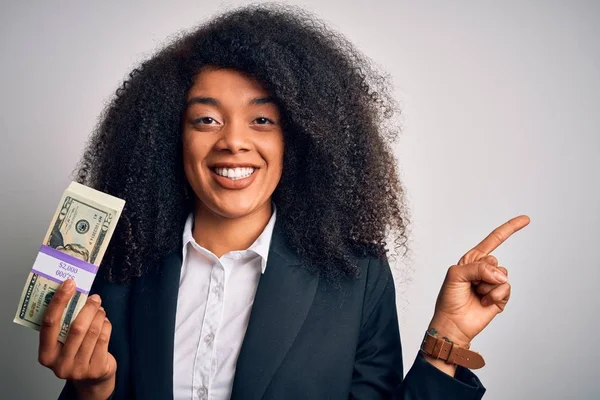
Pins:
x: 283, y: 298
x: 153, y: 330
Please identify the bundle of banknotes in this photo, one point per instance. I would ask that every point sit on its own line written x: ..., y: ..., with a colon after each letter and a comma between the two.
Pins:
x: 75, y: 242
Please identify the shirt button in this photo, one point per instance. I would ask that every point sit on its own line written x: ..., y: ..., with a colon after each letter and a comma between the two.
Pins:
x: 209, y: 338
x: 202, y: 392
x: 217, y: 289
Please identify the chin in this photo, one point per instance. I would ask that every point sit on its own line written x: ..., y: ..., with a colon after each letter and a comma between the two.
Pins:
x: 233, y: 209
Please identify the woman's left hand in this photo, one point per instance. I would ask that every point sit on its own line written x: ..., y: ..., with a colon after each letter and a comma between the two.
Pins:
x: 476, y: 289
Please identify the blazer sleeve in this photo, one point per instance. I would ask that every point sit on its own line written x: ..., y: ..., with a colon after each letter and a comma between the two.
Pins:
x: 378, y: 369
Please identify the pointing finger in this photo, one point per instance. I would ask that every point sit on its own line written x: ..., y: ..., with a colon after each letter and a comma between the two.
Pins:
x: 499, y: 236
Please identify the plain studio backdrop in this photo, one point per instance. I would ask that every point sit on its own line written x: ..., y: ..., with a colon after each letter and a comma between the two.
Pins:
x: 500, y: 114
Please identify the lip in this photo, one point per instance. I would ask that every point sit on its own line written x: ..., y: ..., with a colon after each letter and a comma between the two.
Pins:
x: 234, y: 165
x: 234, y: 185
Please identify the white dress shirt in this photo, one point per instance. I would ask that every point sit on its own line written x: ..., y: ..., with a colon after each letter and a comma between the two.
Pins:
x: 213, y: 309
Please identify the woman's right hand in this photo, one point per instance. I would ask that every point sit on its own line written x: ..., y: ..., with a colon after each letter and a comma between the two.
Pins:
x: 84, y: 358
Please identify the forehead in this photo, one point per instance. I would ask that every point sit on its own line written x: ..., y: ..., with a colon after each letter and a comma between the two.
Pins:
x: 218, y: 82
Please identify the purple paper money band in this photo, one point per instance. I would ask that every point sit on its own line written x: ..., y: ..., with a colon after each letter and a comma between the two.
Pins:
x: 79, y: 263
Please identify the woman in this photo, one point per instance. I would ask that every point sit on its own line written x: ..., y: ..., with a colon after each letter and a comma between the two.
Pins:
x: 250, y: 260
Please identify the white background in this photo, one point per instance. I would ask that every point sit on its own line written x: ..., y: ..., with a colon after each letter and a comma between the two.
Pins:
x: 501, y: 118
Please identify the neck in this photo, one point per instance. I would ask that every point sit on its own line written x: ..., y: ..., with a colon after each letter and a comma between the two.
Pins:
x: 221, y: 235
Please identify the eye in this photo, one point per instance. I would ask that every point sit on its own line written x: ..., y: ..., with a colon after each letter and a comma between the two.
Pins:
x: 263, y: 121
x: 204, y: 121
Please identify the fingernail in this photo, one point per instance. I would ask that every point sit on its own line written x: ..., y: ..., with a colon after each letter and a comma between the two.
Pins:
x: 68, y: 284
x: 95, y: 298
x: 500, y: 276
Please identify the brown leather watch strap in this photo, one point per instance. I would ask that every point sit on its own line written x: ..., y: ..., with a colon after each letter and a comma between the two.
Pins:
x: 451, y: 353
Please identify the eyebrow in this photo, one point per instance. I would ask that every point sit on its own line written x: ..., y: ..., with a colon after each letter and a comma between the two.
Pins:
x: 214, y: 102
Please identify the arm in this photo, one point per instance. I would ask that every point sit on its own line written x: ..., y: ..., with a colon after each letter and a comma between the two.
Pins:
x: 425, y: 381
x: 113, y: 297
x: 84, y: 357
x: 378, y: 370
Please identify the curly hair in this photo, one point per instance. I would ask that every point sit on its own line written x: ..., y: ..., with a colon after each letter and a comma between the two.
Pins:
x: 339, y: 194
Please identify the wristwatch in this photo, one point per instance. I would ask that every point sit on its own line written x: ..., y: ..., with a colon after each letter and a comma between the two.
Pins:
x: 449, y: 352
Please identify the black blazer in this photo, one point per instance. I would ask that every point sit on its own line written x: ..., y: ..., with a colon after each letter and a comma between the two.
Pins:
x: 305, y: 338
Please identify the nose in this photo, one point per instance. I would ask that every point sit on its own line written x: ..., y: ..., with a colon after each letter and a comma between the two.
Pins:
x: 235, y: 137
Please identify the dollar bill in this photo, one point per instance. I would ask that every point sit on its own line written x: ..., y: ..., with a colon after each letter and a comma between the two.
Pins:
x: 81, y: 227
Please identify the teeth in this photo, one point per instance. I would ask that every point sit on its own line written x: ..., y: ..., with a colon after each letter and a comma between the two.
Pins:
x: 234, y: 173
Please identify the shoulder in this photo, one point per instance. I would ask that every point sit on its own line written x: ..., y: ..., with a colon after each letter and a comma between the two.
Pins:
x: 377, y: 273
x: 378, y: 283
x: 374, y: 279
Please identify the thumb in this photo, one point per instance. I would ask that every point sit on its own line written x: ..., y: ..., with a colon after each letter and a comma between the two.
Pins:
x: 479, y: 271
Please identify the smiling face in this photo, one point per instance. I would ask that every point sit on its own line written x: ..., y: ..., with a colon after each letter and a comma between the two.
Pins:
x: 232, y: 143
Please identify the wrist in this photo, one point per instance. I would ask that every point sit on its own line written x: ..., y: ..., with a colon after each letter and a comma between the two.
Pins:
x: 449, y: 369
x: 449, y: 347
x: 100, y: 390
x: 447, y: 329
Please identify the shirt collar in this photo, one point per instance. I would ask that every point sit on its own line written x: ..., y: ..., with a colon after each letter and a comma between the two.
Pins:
x: 260, y: 246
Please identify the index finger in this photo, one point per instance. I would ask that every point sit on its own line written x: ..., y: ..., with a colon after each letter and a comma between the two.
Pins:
x: 51, y: 322
x: 501, y: 233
